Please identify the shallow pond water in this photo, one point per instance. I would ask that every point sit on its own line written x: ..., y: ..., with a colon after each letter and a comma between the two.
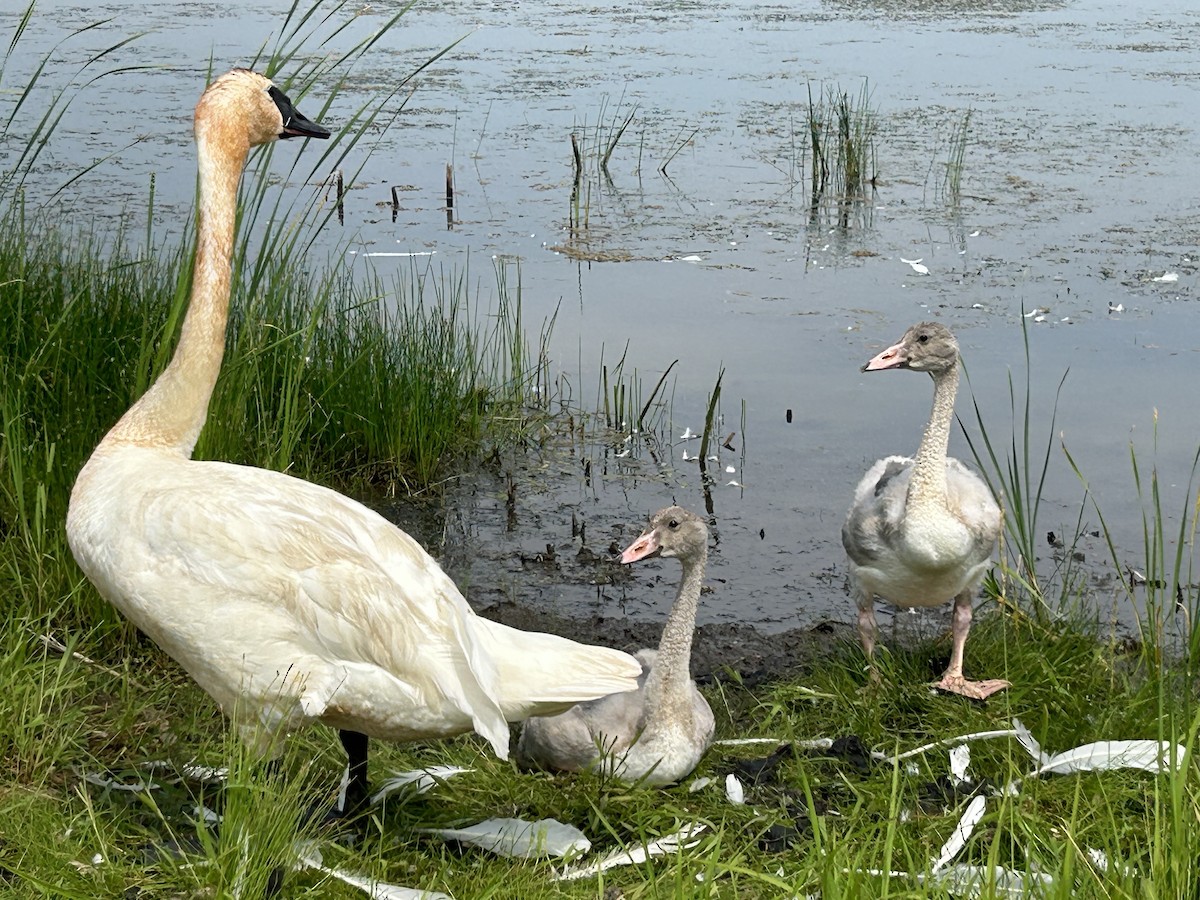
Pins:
x: 1078, y: 201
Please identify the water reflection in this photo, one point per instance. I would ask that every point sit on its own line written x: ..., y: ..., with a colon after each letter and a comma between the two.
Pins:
x: 1076, y: 193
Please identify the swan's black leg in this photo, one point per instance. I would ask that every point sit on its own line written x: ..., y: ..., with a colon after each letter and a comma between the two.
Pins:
x: 357, y: 790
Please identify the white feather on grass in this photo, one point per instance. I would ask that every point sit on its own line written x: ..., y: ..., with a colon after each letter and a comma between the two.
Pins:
x: 1102, y: 756
x: 1029, y: 742
x: 963, y: 880
x: 192, y: 771
x: 309, y: 856
x: 745, y: 742
x: 949, y: 742
x: 962, y: 832
x: 416, y: 781
x: 111, y: 784
x: 685, y: 838
x: 519, y: 838
x: 972, y: 881
x: 734, y: 792
x: 960, y: 761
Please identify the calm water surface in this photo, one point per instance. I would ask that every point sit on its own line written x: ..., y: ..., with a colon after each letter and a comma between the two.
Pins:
x: 1078, y: 195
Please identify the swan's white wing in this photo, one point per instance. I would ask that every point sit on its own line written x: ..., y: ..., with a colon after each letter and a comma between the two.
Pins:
x: 228, y: 566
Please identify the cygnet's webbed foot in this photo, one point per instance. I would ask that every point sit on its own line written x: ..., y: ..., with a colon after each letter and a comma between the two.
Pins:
x: 975, y: 690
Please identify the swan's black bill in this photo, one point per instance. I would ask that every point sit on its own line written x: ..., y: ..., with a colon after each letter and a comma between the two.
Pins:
x: 294, y: 123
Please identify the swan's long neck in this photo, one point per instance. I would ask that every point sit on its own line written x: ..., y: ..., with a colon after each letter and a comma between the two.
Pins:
x: 171, y: 413
x: 928, y: 485
x: 668, y: 686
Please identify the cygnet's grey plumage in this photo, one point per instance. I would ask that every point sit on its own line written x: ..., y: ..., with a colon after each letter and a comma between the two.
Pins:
x: 656, y: 734
x: 922, y: 530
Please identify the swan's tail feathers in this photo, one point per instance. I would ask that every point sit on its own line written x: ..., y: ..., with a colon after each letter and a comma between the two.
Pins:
x: 543, y: 674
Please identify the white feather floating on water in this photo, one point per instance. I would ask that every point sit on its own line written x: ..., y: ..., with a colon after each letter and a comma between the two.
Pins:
x: 1167, y: 277
x: 683, y: 839
x: 916, y: 265
x: 416, y: 781
x: 309, y: 856
x: 962, y: 832
x: 519, y: 838
x: 734, y: 792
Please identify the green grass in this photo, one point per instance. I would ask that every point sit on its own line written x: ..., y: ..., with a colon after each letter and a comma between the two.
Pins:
x: 1069, y: 689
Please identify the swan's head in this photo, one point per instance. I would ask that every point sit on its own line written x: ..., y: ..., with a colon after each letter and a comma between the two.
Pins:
x: 245, y: 109
x: 673, y: 531
x: 926, y: 347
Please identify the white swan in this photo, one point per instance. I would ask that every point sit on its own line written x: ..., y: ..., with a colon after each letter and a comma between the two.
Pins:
x: 288, y: 602
x: 922, y: 530
x: 657, y: 734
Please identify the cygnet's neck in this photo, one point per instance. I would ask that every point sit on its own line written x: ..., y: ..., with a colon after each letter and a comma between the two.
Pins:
x: 669, y: 682
x: 927, y: 487
x: 172, y: 412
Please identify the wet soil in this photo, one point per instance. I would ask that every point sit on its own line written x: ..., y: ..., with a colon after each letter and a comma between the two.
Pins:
x: 719, y: 652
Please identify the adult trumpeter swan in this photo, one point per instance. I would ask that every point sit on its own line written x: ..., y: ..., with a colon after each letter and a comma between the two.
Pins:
x: 922, y: 530
x: 288, y: 602
x: 656, y: 734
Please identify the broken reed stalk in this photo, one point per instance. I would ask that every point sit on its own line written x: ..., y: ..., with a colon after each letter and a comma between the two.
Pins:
x: 709, y: 422
x: 578, y: 154
x: 612, y: 145
x: 336, y: 181
x: 449, y: 196
x: 677, y: 149
x: 654, y: 393
x: 604, y: 392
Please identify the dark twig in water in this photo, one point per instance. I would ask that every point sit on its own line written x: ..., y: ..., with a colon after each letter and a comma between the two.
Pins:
x: 687, y: 140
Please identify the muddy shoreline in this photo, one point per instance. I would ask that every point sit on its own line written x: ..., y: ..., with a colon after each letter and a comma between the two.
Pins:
x: 718, y: 650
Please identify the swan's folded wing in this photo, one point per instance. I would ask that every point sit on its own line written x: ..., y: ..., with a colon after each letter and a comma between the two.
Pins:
x: 972, y: 499
x: 872, y: 525
x: 357, y: 589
